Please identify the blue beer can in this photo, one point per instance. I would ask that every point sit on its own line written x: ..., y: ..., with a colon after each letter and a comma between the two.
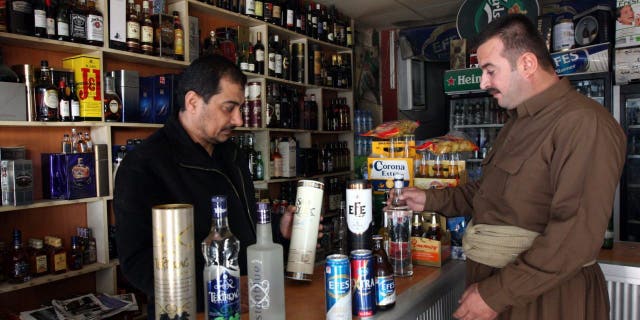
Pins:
x: 337, y: 277
x: 364, y: 292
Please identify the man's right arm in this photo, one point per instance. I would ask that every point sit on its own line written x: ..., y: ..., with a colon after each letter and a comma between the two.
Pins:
x: 134, y: 235
x: 452, y: 202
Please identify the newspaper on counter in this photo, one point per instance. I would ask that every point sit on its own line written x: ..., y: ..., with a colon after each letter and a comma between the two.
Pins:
x: 85, y: 307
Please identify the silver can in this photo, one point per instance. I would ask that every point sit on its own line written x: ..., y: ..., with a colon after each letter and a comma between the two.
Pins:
x: 359, y: 201
x: 174, y: 261
x: 304, y: 233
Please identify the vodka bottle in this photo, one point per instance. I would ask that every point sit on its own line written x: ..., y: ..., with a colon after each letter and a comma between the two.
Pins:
x: 265, y: 271
x: 221, y: 270
x: 398, y: 220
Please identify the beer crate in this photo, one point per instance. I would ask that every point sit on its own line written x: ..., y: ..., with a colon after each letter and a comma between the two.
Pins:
x: 88, y: 76
x: 429, y: 252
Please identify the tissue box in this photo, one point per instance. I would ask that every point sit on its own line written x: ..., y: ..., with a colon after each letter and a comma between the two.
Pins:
x: 68, y: 175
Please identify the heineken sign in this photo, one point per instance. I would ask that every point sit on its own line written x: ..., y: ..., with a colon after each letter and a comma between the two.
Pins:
x: 474, y: 15
x: 462, y: 80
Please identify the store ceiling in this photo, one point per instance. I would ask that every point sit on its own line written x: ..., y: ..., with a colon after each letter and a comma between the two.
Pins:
x: 388, y: 14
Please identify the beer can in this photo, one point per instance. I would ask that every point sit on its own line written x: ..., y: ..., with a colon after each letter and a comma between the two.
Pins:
x: 174, y: 261
x: 359, y: 214
x: 364, y: 300
x: 304, y: 232
x: 338, y: 287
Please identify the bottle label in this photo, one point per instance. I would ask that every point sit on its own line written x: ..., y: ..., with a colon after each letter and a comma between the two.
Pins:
x: 113, y: 106
x: 41, y: 264
x: 244, y: 66
x: 147, y: 34
x: 272, y: 61
x: 20, y: 270
x: 51, y: 26
x: 78, y: 22
x: 95, y: 28
x: 133, y: 30
x: 258, y: 8
x: 278, y: 63
x: 258, y: 288
x: 63, y: 28
x: 359, y: 211
x: 81, y: 174
x: 64, y: 108
x: 385, y: 290
x: 223, y: 295
x: 75, y: 108
x: 289, y: 18
x: 40, y: 18
x: 178, y: 42
x: 259, y: 55
x: 59, y: 262
x: 249, y: 7
x: 277, y: 12
x: 51, y: 99
x: 252, y: 67
x: 22, y: 6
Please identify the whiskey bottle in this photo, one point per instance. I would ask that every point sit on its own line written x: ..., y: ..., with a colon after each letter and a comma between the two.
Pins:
x: 133, y: 27
x: 46, y: 95
x: 112, y: 102
x: 18, y: 261
x: 76, y: 257
x: 265, y: 265
x: 259, y: 170
x: 37, y: 258
x: 62, y: 21
x: 146, y: 35
x: 80, y: 173
x: 56, y: 255
x: 178, y: 37
x: 259, y: 54
x: 78, y: 18
x: 39, y: 18
x: 95, y: 25
x: 64, y: 101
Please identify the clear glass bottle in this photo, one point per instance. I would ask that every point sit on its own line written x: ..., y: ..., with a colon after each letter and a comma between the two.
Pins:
x: 112, y: 102
x: 398, y: 218
x: 221, y: 270
x: 18, y: 261
x: 341, y: 232
x: 37, y: 258
x: 265, y: 271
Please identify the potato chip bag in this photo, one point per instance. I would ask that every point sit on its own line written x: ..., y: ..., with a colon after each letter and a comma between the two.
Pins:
x: 390, y: 129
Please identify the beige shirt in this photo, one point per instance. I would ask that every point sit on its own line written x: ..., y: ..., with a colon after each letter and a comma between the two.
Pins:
x: 553, y: 169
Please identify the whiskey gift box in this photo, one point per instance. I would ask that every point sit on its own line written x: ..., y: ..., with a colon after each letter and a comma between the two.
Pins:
x: 68, y: 175
x: 16, y: 179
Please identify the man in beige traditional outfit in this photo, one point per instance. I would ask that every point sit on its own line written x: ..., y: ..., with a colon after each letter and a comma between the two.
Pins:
x: 543, y: 204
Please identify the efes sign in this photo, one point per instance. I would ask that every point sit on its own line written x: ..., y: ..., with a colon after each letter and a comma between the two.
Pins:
x: 474, y: 15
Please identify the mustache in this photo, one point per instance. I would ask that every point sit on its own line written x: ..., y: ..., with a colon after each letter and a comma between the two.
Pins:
x: 493, y: 91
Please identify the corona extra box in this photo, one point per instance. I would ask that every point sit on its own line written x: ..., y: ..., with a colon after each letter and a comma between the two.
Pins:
x: 383, y: 148
x: 88, y: 76
x: 381, y: 171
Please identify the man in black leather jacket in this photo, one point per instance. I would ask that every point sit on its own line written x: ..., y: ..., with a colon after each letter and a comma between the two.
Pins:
x: 187, y: 161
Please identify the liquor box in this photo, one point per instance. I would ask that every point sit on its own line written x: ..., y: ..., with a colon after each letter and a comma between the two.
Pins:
x: 383, y: 148
x: 13, y: 101
x: 627, y: 27
x: 146, y: 100
x: 163, y: 97
x: 12, y: 153
x: 128, y: 89
x: 194, y: 38
x: 100, y: 152
x: 118, y: 24
x: 429, y: 252
x: 88, y: 76
x: 287, y: 148
x: 17, y: 182
x: 68, y: 175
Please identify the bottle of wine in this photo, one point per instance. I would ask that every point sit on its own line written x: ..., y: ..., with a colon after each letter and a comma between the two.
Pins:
x: 62, y: 21
x: 265, y: 266
x: 64, y: 101
x: 74, y: 102
x: 258, y: 48
x: 39, y: 18
x: 51, y: 19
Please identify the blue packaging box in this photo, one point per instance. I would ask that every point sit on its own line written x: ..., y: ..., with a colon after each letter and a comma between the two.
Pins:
x: 68, y: 175
x: 146, y: 100
x: 162, y: 97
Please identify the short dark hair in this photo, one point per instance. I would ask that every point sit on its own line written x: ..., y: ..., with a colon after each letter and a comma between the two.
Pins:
x: 519, y: 35
x: 203, y: 77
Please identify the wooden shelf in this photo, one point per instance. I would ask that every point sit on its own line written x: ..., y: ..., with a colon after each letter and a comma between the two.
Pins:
x: 47, y: 44
x: 8, y: 287
x: 223, y: 14
x: 51, y: 124
x: 144, y: 59
x: 50, y: 203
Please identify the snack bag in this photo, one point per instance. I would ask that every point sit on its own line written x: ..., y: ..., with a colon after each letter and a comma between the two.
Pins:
x: 451, y: 142
x: 392, y: 129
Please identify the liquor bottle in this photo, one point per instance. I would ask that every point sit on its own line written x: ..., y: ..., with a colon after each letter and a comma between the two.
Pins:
x: 146, y: 28
x: 300, y: 17
x: 310, y: 15
x: 66, y: 144
x: 62, y: 21
x: 259, y: 9
x: 349, y: 35
x: 286, y: 60
x: 608, y: 235
x: 277, y: 162
x: 249, y: 8
x: 37, y: 258
x: 276, y: 14
x: 76, y: 256
x: 289, y: 18
x: 56, y: 255
x: 265, y: 265
x: 211, y: 45
x: 286, y: 116
x: 74, y: 103
x: 64, y: 101
x: 90, y: 250
x: 251, y: 155
x: 221, y: 270
x: 259, y: 54
x: 228, y: 47
x: 416, y: 226
x: 39, y: 18
x: 398, y: 217
x: 385, y: 283
x: 434, y: 231
x: 20, y: 14
x: 259, y: 170
x: 51, y: 19
x: 273, y: 50
x: 46, y: 95
x: 112, y: 102
x: 133, y: 27
x: 78, y: 18
x: 87, y: 141
x: 315, y: 17
x: 18, y: 261
x: 243, y: 57
x: 341, y: 231
x: 267, y: 11
x: 178, y: 37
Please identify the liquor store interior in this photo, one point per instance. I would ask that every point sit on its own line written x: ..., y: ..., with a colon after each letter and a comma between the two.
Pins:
x: 317, y: 159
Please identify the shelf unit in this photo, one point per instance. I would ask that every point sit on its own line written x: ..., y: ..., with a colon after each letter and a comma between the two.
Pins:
x: 40, y: 137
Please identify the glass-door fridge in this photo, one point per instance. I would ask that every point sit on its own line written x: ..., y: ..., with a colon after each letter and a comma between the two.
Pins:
x: 630, y: 184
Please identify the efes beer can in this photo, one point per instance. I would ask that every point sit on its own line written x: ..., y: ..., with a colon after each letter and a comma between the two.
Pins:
x: 337, y: 277
x: 364, y: 299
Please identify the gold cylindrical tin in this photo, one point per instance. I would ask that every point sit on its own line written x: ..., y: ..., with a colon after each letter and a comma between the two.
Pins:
x: 304, y: 232
x: 174, y: 261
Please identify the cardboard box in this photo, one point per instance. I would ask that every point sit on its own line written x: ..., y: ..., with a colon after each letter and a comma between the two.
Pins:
x: 12, y: 153
x: 88, y: 76
x: 68, y: 175
x: 16, y: 180
x: 163, y: 97
x: 13, y: 101
x: 118, y: 24
x: 146, y: 100
x: 383, y: 148
x: 287, y: 148
x: 429, y: 252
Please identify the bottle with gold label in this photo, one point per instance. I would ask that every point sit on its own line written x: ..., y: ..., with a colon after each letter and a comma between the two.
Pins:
x: 178, y: 37
x: 38, y: 258
x: 146, y: 28
x: 56, y: 255
x: 112, y: 102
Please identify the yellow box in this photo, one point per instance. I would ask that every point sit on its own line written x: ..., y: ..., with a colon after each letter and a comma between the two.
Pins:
x: 435, y: 183
x: 381, y: 170
x: 429, y: 252
x: 88, y: 77
x: 383, y: 148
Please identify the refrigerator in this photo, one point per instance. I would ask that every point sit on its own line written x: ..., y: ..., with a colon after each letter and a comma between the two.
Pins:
x: 629, y: 216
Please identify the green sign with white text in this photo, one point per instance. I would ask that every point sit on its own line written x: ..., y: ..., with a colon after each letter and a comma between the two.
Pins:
x: 462, y: 80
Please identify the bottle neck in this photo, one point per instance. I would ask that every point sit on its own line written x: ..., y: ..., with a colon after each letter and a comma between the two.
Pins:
x: 219, y: 223
x: 264, y: 234
x: 397, y: 192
